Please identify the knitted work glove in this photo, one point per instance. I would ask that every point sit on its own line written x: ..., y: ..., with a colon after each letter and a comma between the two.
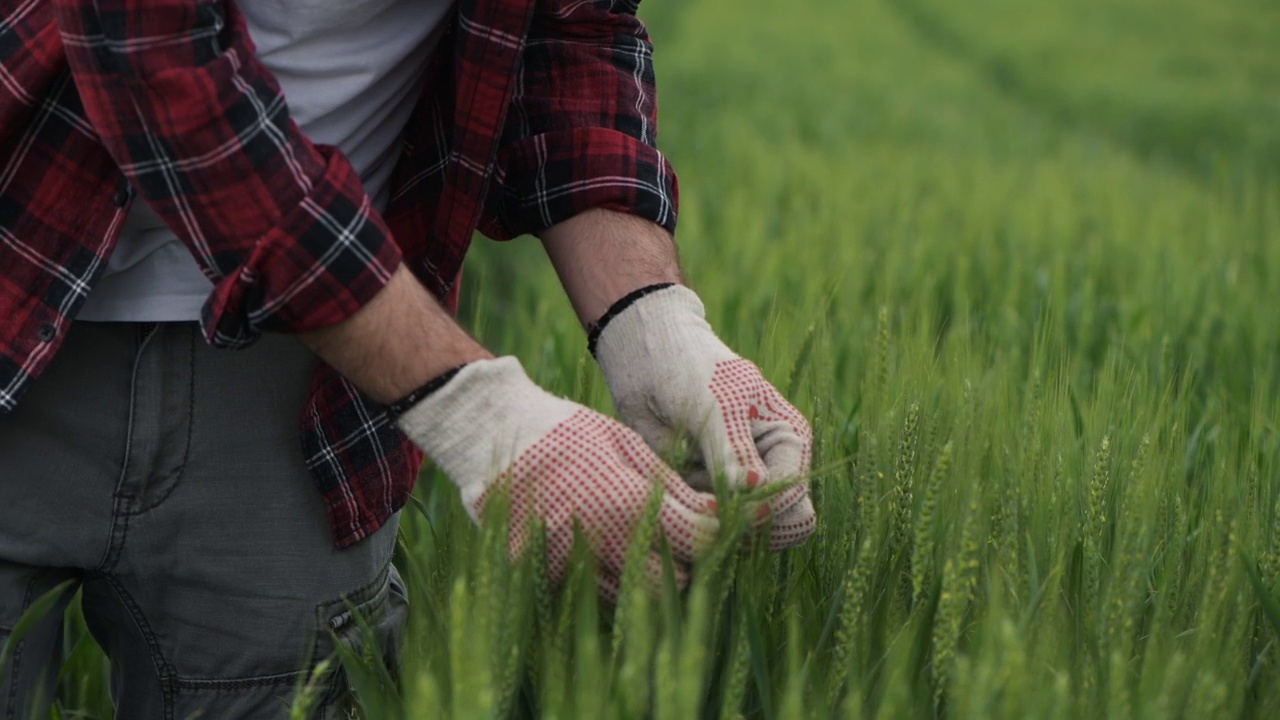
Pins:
x: 562, y: 463
x: 670, y: 376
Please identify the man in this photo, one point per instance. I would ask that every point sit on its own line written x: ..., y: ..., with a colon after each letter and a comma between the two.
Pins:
x: 162, y: 475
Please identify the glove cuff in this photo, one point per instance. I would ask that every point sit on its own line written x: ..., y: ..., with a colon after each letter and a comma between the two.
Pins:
x: 667, y: 325
x: 479, y: 421
x: 593, y: 333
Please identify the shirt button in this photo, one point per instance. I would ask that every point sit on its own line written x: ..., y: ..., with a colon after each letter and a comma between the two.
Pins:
x: 123, y: 193
x: 47, y: 332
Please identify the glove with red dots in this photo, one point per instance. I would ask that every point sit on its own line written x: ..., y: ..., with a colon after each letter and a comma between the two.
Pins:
x: 671, y: 378
x: 566, y: 465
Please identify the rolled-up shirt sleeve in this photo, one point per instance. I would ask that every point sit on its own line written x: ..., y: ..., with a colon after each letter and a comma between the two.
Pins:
x: 283, y: 227
x: 582, y: 128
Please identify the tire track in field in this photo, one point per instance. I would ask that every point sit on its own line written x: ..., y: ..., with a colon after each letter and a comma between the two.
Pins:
x: 1186, y: 144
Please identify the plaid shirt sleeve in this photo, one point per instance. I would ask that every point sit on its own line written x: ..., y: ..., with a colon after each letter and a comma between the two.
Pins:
x: 582, y: 126
x: 201, y: 129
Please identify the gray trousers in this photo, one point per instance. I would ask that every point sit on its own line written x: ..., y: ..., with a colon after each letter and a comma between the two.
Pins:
x: 165, y: 479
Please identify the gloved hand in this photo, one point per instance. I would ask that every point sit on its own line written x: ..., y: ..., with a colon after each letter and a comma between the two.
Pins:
x: 563, y: 463
x: 670, y: 375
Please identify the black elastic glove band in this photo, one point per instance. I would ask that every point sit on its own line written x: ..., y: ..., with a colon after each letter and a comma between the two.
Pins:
x: 593, y: 333
x: 401, y: 406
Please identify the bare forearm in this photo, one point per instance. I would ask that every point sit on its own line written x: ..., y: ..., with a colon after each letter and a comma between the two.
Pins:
x: 403, y: 338
x: 397, y: 342
x: 601, y: 255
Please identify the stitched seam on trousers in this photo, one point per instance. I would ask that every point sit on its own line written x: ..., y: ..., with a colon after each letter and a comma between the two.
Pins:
x: 17, y: 652
x: 120, y: 516
x: 191, y: 422
x: 165, y: 673
x: 111, y: 554
x: 231, y: 684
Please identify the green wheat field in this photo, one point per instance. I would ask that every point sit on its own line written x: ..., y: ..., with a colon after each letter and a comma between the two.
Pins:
x: 1019, y: 262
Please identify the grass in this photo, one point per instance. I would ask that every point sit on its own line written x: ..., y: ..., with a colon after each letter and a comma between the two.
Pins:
x: 1016, y: 261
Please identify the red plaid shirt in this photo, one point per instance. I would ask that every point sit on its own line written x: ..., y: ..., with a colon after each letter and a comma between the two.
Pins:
x: 532, y: 112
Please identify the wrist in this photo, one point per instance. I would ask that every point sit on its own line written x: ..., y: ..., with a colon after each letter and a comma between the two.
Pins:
x: 396, y: 342
x: 601, y: 255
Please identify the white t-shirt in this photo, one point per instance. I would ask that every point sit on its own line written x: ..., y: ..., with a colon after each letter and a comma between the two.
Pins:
x: 351, y: 71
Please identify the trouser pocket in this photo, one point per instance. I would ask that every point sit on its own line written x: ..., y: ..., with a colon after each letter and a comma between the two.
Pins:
x: 365, y: 628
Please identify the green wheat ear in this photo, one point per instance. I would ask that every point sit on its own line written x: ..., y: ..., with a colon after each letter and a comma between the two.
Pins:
x: 959, y: 581
x: 881, y: 391
x: 801, y: 364
x: 1095, y: 520
x: 922, y: 559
